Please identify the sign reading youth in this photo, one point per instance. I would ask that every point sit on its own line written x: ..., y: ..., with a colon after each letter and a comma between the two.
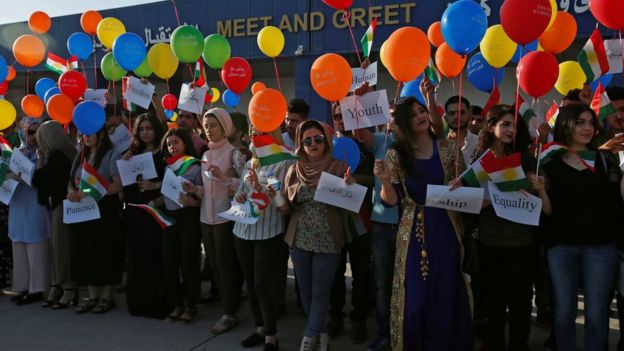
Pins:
x: 368, y: 110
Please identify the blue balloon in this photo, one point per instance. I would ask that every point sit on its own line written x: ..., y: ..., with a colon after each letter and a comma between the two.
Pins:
x: 532, y: 46
x: 4, y: 69
x: 43, y: 85
x: 89, y: 117
x: 346, y: 150
x: 412, y: 88
x: 80, y: 45
x: 230, y: 99
x: 482, y: 75
x: 50, y: 93
x: 605, y: 80
x: 463, y: 26
x: 129, y: 51
x: 168, y: 114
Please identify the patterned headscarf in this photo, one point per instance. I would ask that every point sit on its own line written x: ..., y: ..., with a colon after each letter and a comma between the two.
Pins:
x: 22, y: 128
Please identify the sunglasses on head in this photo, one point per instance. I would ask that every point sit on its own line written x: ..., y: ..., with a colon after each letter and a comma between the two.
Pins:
x: 317, y: 139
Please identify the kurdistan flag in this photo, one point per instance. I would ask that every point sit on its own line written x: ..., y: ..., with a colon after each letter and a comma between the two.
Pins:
x: 270, y: 152
x: 506, y: 172
x: 92, y: 183
x: 593, y: 57
x: 475, y: 176
x: 601, y: 104
x: 367, y: 39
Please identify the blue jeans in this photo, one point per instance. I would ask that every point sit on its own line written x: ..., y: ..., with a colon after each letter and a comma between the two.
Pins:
x: 315, y: 272
x: 596, y: 266
x: 383, y: 242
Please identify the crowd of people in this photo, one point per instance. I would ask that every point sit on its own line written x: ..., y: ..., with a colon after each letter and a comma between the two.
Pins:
x: 439, y: 277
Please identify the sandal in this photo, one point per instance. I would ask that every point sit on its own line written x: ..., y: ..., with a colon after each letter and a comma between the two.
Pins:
x: 224, y: 324
x: 70, y: 296
x: 103, y: 306
x: 190, y: 313
x: 53, y: 296
x: 175, y: 315
x: 87, y: 306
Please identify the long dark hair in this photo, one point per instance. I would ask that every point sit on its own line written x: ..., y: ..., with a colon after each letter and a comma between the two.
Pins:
x: 487, y: 138
x: 138, y: 146
x: 183, y: 134
x: 566, y: 122
x: 103, y: 146
x: 402, y: 120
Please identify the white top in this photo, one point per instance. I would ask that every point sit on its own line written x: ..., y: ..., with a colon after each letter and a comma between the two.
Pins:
x: 288, y: 141
x: 470, y: 144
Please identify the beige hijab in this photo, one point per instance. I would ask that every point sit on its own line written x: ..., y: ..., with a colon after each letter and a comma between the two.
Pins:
x: 51, y: 136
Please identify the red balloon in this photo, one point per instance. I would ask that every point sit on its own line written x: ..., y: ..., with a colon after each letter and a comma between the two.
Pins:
x: 525, y: 20
x: 339, y: 4
x: 537, y: 73
x: 169, y: 102
x: 4, y: 87
x: 236, y: 74
x: 73, y: 84
x: 608, y: 12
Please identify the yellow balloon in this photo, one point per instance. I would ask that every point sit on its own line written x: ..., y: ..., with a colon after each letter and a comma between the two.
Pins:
x: 553, y: 6
x: 271, y: 41
x: 497, y: 48
x: 215, y: 95
x: 7, y: 114
x: 108, y: 30
x: 174, y: 117
x: 162, y: 61
x: 571, y: 76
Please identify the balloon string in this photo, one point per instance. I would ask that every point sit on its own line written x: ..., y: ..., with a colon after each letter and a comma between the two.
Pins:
x: 396, y: 96
x: 167, y: 80
x: 346, y: 16
x: 27, y: 81
x: 516, y: 103
x: 279, y: 85
x: 177, y: 14
x: 459, y: 113
x: 622, y: 49
x: 94, y: 63
x: 115, y: 98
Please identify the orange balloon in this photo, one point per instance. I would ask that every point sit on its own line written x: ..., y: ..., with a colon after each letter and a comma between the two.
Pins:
x: 33, y: 106
x: 28, y: 50
x: 449, y: 63
x: 330, y: 76
x: 256, y: 87
x: 267, y: 110
x: 60, y: 108
x: 11, y: 74
x: 406, y: 53
x: 435, y: 34
x: 39, y: 22
x: 560, y: 35
x: 89, y: 21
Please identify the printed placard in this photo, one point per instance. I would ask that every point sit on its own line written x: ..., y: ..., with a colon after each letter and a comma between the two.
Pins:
x: 7, y: 189
x: 172, y: 186
x: 515, y: 206
x: 368, y: 110
x: 240, y: 213
x: 22, y: 166
x: 614, y: 54
x: 360, y: 75
x: 334, y: 191
x: 462, y: 199
x: 97, y: 95
x: 139, y: 93
x: 192, y: 99
x: 121, y: 138
x: 85, y: 210
x: 139, y: 167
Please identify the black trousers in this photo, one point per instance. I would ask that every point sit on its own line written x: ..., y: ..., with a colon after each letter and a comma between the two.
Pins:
x: 182, y: 253
x: 259, y: 260
x: 359, y: 251
x: 507, y: 274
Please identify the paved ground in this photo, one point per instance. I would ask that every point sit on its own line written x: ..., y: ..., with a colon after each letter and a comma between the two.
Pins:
x: 34, y: 328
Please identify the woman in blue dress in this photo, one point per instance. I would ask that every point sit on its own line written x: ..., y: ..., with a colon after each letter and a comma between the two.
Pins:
x: 430, y: 307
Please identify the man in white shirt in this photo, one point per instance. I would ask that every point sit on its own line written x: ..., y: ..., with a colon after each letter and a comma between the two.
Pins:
x: 298, y: 111
x: 459, y: 126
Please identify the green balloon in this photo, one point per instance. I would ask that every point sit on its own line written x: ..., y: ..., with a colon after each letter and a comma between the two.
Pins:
x: 216, y: 51
x: 143, y: 70
x: 187, y: 43
x: 111, y: 69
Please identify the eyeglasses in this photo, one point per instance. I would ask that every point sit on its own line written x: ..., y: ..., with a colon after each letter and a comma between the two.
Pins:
x: 31, y: 132
x: 317, y: 139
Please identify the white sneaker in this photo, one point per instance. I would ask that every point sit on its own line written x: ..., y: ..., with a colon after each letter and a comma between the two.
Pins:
x: 309, y: 343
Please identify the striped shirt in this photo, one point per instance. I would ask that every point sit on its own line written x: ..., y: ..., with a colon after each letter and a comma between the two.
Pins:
x: 271, y: 223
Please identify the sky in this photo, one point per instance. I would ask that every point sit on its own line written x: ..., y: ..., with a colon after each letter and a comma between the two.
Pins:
x: 23, y: 8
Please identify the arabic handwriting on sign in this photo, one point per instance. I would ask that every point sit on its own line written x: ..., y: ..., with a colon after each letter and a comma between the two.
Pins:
x: 137, y: 167
x: 344, y: 192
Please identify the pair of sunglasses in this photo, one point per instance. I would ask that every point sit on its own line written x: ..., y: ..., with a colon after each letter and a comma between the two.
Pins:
x: 317, y: 139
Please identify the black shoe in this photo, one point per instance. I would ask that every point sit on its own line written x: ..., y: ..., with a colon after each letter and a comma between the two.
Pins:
x: 20, y: 295
x: 104, y: 306
x: 87, y: 306
x: 357, y: 332
x: 271, y: 347
x: 335, y: 326
x: 29, y: 298
x: 252, y: 340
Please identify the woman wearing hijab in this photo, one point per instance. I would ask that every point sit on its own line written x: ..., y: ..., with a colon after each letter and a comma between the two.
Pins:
x: 29, y: 228
x: 55, y: 154
x: 315, y: 231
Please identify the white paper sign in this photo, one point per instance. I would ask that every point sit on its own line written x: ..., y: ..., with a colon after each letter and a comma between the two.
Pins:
x: 240, y: 213
x: 192, y: 100
x: 7, y: 188
x: 121, y: 138
x: 138, y: 93
x: 97, y: 95
x: 614, y: 54
x: 334, y: 191
x: 139, y: 165
x: 22, y: 166
x: 76, y: 212
x: 369, y: 110
x: 621, y: 154
x: 462, y: 199
x: 172, y: 186
x: 359, y: 76
x: 515, y: 206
